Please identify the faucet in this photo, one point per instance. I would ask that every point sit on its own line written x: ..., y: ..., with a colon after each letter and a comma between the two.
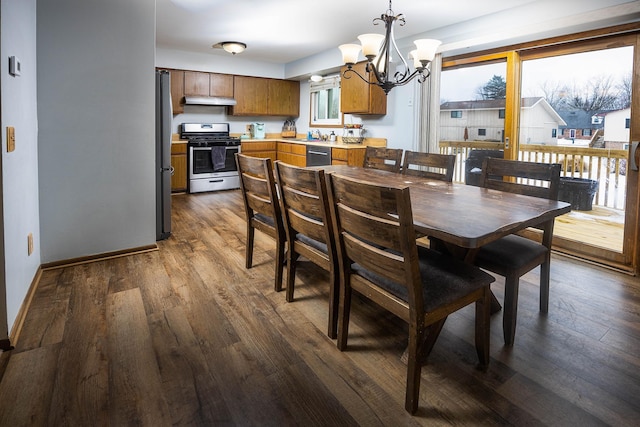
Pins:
x: 316, y: 134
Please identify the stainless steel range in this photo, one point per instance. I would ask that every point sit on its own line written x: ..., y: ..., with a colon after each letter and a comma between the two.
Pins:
x: 211, y: 163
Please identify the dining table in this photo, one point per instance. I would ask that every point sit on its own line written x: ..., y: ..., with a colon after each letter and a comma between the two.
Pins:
x: 462, y: 218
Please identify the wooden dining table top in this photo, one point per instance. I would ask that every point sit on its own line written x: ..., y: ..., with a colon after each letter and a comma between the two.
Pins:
x: 462, y: 215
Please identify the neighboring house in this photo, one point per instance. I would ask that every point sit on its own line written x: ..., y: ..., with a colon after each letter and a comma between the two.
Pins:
x: 616, y: 128
x: 484, y: 121
x: 580, y: 125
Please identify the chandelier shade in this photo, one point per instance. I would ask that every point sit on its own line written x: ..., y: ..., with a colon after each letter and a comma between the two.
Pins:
x: 378, y: 50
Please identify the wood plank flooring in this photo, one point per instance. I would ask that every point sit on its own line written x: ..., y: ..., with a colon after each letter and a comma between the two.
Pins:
x: 187, y: 336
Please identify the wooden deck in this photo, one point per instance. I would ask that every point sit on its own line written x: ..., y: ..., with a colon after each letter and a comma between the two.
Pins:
x: 187, y: 336
x: 601, y: 227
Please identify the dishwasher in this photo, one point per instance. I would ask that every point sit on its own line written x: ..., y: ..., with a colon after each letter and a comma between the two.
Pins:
x: 318, y: 155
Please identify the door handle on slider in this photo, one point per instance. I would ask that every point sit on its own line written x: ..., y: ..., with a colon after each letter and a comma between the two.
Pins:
x: 634, y: 156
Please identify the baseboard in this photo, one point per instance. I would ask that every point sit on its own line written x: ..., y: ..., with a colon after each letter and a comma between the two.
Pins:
x: 98, y: 257
x: 24, y: 308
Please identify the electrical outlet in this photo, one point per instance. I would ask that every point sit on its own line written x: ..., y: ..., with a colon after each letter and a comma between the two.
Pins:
x: 11, y: 139
x: 30, y: 244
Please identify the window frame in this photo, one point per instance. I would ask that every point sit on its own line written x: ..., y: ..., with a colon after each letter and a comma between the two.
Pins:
x: 327, y: 83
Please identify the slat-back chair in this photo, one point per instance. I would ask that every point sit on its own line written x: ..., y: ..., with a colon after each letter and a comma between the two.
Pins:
x: 378, y: 258
x: 388, y: 159
x: 262, y: 208
x: 429, y: 165
x: 514, y: 255
x: 305, y: 213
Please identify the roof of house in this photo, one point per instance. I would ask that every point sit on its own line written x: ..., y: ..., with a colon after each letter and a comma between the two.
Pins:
x: 490, y: 104
x: 486, y: 104
x: 578, y: 119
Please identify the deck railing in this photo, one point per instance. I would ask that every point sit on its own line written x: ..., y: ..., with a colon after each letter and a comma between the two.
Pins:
x: 607, y: 166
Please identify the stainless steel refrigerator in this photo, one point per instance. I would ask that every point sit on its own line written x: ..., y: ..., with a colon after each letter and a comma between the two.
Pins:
x: 163, y: 155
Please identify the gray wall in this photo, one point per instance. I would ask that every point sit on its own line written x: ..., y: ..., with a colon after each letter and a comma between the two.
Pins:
x: 20, y: 167
x: 96, y: 115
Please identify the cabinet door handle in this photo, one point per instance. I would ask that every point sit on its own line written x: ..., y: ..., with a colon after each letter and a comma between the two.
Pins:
x: 172, y: 169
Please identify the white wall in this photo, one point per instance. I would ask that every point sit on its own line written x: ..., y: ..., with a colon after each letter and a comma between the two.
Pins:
x: 614, y: 126
x: 20, y: 167
x: 96, y: 112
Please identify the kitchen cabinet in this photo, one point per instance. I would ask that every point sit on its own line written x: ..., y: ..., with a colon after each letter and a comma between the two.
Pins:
x: 197, y: 83
x: 284, y: 98
x: 259, y: 149
x: 221, y: 85
x: 358, y: 96
x: 251, y: 96
x: 177, y: 91
x: 347, y: 156
x: 179, y: 165
x: 294, y: 154
x: 257, y: 96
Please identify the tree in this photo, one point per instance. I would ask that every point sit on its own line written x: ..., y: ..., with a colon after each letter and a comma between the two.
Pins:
x: 597, y: 94
x: 624, y: 90
x: 495, y: 88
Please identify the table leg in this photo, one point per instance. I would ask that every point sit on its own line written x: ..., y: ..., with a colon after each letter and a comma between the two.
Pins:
x: 468, y: 255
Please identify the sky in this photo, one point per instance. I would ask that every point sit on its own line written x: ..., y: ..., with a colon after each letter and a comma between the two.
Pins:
x: 462, y: 84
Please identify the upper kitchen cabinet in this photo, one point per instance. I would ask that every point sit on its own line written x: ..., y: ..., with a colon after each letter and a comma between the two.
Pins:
x: 358, y: 96
x: 177, y: 91
x: 251, y: 96
x: 198, y: 83
x: 256, y: 96
x: 284, y: 98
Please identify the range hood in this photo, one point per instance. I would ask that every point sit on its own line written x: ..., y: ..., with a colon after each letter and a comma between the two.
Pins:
x: 208, y: 100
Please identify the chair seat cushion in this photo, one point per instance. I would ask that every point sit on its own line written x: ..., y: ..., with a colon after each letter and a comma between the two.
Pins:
x: 444, y: 279
x: 265, y: 219
x: 322, y: 247
x: 510, y: 252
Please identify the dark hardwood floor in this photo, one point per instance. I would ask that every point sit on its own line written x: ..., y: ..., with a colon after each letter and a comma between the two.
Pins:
x: 187, y: 336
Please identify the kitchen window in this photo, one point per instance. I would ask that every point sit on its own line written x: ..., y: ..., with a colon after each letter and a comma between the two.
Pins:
x: 325, y: 102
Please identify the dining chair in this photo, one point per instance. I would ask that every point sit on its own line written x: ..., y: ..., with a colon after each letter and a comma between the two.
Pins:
x: 388, y: 159
x: 305, y: 213
x: 262, y: 209
x: 429, y: 165
x: 514, y: 255
x: 378, y: 257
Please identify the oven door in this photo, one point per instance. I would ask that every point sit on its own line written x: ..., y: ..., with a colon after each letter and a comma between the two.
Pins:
x: 201, y: 162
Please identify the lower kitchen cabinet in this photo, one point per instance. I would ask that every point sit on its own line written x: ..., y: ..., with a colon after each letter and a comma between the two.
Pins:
x: 347, y: 156
x: 179, y: 164
x: 294, y: 154
x: 259, y: 149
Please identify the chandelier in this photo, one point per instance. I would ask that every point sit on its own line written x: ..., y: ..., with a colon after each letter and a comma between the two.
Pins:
x: 377, y: 48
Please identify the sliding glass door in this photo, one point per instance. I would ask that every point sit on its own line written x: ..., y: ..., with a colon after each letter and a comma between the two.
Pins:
x: 568, y: 103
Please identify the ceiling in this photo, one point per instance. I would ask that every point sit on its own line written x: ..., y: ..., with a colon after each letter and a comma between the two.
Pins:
x: 283, y: 31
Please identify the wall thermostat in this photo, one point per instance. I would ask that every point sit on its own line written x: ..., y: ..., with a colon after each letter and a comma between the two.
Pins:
x: 14, y: 66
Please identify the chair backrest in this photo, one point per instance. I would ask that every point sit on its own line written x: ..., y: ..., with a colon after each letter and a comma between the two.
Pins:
x: 429, y: 165
x: 305, y: 207
x: 388, y: 159
x: 373, y: 226
x: 528, y: 178
x: 259, y: 194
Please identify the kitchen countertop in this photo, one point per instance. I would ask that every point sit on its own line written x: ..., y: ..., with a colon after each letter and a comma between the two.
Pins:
x: 376, y: 142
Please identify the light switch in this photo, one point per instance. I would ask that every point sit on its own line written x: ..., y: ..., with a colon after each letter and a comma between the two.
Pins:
x: 11, y: 139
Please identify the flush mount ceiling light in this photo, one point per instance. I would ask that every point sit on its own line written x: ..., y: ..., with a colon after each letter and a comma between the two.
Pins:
x: 378, y: 48
x: 231, y: 47
x: 316, y: 78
